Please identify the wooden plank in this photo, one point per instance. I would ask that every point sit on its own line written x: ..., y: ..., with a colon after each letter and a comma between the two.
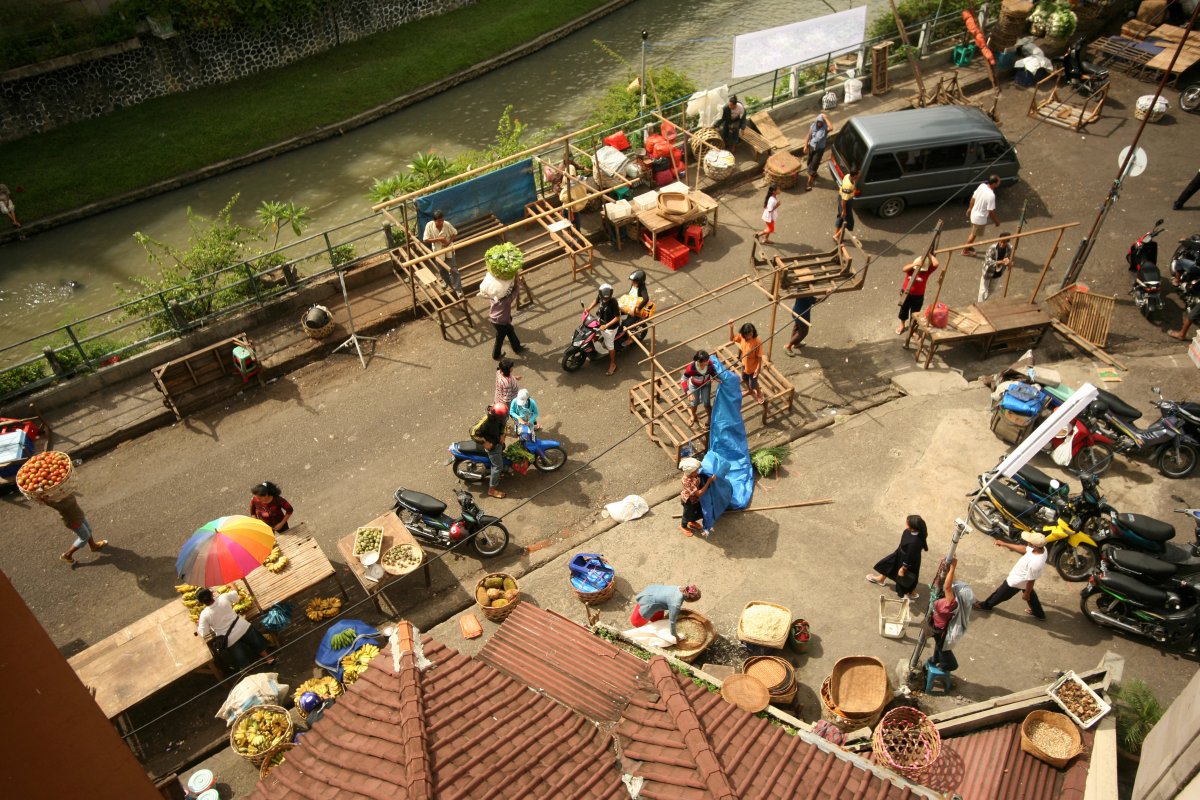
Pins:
x: 307, y: 566
x: 1085, y: 345
x: 770, y: 131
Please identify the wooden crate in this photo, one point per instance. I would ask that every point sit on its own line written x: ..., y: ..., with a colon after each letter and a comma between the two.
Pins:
x: 1091, y: 315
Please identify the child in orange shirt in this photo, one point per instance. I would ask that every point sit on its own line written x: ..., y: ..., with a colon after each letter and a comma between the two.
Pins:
x: 751, y: 357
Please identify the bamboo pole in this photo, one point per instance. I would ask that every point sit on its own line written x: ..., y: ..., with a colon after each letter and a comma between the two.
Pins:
x: 717, y: 328
x: 925, y: 258
x: 774, y: 311
x: 653, y: 384
x: 386, y: 204
x: 1011, y: 237
x: 1046, y: 267
x: 912, y: 60
x: 1012, y: 254
x: 801, y: 504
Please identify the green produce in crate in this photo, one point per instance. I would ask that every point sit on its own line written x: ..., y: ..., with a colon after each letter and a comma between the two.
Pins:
x: 504, y: 261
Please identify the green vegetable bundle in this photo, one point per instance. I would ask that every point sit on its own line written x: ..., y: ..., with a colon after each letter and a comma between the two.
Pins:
x: 517, y: 452
x: 504, y: 261
x: 768, y: 459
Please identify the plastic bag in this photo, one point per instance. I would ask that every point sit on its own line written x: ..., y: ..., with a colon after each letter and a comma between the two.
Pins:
x: 254, y: 690
x: 654, y: 634
x: 853, y: 88
x: 829, y: 101
x: 625, y: 510
x: 1062, y: 453
x: 494, y: 288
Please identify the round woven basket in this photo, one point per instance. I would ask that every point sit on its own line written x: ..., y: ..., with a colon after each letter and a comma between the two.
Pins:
x: 688, y: 650
x: 716, y: 170
x: 775, y: 673
x: 267, y: 766
x: 59, y: 491
x: 830, y: 713
x: 746, y: 692
x: 258, y: 759
x: 317, y: 333
x: 390, y: 570
x: 906, y: 741
x: 705, y: 139
x: 1055, y: 720
x: 783, y: 170
x: 596, y: 598
x: 497, y: 614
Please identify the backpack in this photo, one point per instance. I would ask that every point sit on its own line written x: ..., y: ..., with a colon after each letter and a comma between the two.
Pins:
x: 477, y: 427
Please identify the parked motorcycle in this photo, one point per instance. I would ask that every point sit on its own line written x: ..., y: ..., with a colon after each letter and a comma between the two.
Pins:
x: 583, y: 342
x: 1142, y: 258
x: 1189, y: 98
x: 471, y: 462
x: 1091, y: 449
x: 1172, y: 450
x: 1039, y: 487
x: 427, y: 520
x: 1116, y: 600
x: 1152, y: 571
x: 1084, y: 75
x: 1007, y: 510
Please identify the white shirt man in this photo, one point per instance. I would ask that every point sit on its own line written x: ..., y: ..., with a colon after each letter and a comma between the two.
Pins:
x: 1021, y: 577
x: 439, y: 234
x: 981, y: 209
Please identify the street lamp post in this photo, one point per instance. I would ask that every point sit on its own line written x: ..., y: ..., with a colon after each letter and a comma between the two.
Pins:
x: 642, y: 87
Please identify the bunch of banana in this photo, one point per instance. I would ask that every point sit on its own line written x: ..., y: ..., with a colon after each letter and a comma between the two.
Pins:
x: 188, y: 595
x: 356, y: 663
x: 320, y: 608
x: 259, y: 731
x: 276, y: 561
x: 325, y: 686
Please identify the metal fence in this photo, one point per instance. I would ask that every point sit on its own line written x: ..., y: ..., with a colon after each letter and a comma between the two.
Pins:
x: 106, y: 337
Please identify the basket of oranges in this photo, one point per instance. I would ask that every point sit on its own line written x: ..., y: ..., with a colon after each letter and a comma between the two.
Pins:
x: 46, y: 476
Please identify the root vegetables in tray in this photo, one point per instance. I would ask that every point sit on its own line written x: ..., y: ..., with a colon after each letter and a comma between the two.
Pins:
x: 1078, y: 700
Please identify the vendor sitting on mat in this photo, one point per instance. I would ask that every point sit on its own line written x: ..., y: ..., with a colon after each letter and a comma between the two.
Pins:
x: 659, y: 600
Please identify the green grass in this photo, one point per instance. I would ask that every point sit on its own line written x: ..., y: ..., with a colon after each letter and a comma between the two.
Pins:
x: 88, y: 161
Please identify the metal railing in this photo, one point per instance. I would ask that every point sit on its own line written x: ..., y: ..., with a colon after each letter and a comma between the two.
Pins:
x: 133, y: 326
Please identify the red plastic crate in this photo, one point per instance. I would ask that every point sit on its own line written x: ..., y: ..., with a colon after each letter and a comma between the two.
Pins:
x: 672, y: 252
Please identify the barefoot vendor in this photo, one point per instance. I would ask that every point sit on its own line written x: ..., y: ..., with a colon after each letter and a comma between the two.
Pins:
x: 659, y: 600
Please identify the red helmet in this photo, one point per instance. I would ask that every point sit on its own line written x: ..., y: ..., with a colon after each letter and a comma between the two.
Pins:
x: 500, y: 409
x: 458, y: 531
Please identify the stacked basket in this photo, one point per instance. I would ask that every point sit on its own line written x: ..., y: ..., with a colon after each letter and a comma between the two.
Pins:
x: 856, y: 693
x: 782, y: 169
x: 706, y: 139
x: 776, y: 674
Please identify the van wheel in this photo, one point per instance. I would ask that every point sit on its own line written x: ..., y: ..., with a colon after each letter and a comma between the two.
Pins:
x: 891, y: 207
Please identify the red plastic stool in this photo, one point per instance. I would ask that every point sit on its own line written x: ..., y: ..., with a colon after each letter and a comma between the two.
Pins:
x: 693, y: 237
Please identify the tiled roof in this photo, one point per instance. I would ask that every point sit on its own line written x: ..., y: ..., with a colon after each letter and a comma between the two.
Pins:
x: 458, y: 729
x: 990, y: 765
x: 567, y: 662
x: 690, y: 744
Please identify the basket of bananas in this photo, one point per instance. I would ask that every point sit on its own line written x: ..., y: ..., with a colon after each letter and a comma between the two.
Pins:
x: 273, y: 759
x: 325, y: 687
x: 276, y: 562
x: 259, y: 730
x: 320, y: 608
x: 356, y: 663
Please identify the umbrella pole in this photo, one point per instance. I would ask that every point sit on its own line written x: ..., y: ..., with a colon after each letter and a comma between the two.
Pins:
x: 253, y: 598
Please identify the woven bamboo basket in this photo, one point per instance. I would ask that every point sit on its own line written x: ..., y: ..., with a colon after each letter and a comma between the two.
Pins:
x: 267, y: 766
x: 689, y: 649
x: 497, y: 614
x: 859, y: 685
x: 746, y: 692
x: 719, y: 164
x: 258, y: 759
x: 783, y: 169
x: 706, y: 139
x: 52, y: 494
x: 776, y: 673
x: 775, y: 643
x: 844, y: 722
x: 1054, y: 720
x: 906, y: 741
x: 321, y: 332
x: 596, y: 598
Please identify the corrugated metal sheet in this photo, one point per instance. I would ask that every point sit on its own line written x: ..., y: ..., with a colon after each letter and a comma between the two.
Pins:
x: 554, y: 655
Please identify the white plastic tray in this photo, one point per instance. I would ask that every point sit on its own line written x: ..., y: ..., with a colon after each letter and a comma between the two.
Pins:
x: 1071, y: 676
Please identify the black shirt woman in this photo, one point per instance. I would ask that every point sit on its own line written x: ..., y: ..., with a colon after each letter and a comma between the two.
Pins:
x: 903, y: 565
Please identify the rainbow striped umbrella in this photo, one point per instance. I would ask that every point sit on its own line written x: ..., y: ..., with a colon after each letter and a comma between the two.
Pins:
x: 225, y: 550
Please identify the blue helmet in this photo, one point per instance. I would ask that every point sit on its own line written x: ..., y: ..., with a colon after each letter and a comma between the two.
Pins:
x: 309, y: 702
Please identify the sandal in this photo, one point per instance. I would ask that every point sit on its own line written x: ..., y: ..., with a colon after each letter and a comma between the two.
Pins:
x: 66, y: 559
x: 99, y: 545
x: 870, y: 579
x: 686, y: 531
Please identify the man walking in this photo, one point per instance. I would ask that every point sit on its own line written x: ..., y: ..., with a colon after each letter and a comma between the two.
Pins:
x: 1022, y: 576
x: 982, y: 208
x: 75, y: 520
x: 500, y: 314
x: 814, y: 146
x: 439, y: 234
x: 997, y: 259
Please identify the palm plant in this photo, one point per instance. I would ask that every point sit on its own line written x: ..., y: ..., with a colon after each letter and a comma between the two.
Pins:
x: 384, y: 189
x: 1138, y: 710
x: 429, y: 168
x: 276, y: 215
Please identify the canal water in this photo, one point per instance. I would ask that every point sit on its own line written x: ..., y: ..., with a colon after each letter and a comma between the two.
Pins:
x: 74, y: 270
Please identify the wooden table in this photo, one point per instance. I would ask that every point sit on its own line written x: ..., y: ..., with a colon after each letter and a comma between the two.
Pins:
x: 702, y: 206
x: 1001, y: 324
x: 307, y: 566
x: 394, y: 533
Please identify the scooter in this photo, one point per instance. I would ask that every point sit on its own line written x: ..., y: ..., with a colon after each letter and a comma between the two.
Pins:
x: 1091, y: 449
x: 1142, y: 258
x: 427, y: 520
x: 1153, y: 571
x: 583, y: 342
x: 1153, y: 537
x: 425, y: 517
x: 471, y: 462
x: 1116, y: 600
x: 1171, y: 449
x: 1084, y: 75
x: 1003, y: 510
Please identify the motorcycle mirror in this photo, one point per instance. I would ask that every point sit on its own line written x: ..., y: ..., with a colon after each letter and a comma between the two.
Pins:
x: 1160, y: 222
x: 1157, y: 390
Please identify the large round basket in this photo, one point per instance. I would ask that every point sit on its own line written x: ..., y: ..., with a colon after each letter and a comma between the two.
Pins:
x: 844, y: 722
x: 59, y: 491
x: 719, y: 164
x: 319, y: 332
x: 501, y: 613
x: 413, y: 548
x: 1068, y: 732
x: 906, y: 741
x: 776, y: 673
x: 269, y: 763
x: 706, y: 139
x: 746, y: 692
x: 782, y: 169
x: 696, y: 632
x: 859, y: 685
x: 258, y: 758
x: 598, y: 597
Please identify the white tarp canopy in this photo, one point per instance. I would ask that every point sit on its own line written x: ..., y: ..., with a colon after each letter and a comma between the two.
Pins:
x: 773, y: 48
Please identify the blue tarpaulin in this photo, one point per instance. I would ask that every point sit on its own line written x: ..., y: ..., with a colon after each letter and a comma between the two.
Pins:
x: 728, y: 455
x: 504, y: 193
x: 330, y: 659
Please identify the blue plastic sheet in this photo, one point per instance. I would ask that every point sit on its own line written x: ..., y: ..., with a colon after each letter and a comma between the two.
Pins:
x: 728, y: 455
x: 329, y: 659
x: 504, y: 193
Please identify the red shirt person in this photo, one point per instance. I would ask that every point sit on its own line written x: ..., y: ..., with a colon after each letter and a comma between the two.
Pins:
x: 917, y: 272
x: 267, y: 504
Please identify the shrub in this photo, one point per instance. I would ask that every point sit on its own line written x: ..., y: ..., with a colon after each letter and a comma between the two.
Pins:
x: 912, y: 11
x: 619, y: 105
x: 17, y: 378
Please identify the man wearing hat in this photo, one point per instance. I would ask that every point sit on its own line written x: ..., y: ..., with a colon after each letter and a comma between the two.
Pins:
x: 689, y: 496
x: 1022, y: 576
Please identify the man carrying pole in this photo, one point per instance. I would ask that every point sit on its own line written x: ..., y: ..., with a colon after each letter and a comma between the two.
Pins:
x: 955, y: 614
x: 916, y: 276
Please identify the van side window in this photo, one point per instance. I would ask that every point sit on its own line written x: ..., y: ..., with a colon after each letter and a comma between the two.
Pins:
x: 884, y: 167
x: 995, y: 151
x: 946, y: 157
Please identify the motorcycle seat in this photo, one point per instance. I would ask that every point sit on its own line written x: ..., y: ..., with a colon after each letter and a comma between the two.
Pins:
x: 1148, y: 527
x: 471, y: 448
x: 1015, y: 504
x: 1117, y: 406
x: 1037, y: 479
x: 1132, y: 561
x: 1133, y: 588
x: 430, y: 506
x: 1148, y: 273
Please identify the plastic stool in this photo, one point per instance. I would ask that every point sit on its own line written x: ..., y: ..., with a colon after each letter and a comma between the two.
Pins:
x: 693, y: 237
x: 937, y: 681
x: 245, y: 361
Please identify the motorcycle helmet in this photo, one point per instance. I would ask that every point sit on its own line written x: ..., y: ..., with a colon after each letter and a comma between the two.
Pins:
x: 458, y: 531
x: 638, y: 277
x: 309, y: 702
x: 500, y: 409
x: 605, y: 292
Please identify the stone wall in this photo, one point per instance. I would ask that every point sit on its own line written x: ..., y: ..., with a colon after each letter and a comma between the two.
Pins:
x: 35, y: 100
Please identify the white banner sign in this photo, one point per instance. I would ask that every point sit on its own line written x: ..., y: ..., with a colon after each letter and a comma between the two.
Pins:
x: 773, y: 48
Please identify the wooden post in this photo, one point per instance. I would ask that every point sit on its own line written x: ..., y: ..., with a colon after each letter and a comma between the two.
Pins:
x: 1046, y: 266
x: 774, y: 311
x: 942, y: 279
x: 1012, y: 255
x: 912, y: 61
x: 653, y: 383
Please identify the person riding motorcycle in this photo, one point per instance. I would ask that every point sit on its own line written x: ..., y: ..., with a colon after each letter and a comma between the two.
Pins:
x: 608, y: 313
x: 490, y: 432
x: 1188, y: 281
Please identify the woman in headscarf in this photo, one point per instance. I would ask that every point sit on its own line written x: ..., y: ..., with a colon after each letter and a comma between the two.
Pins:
x: 903, y: 565
x: 524, y: 410
x: 689, y: 496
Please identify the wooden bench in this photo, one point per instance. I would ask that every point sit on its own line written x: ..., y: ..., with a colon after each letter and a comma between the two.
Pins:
x: 201, y: 376
x: 572, y: 241
x: 429, y: 295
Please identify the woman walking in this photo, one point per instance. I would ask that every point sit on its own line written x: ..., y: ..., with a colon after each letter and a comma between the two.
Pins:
x: 507, y: 384
x: 903, y: 565
x: 267, y: 503
x: 769, y: 214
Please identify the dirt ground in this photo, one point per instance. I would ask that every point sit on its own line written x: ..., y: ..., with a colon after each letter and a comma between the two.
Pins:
x: 340, y: 440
